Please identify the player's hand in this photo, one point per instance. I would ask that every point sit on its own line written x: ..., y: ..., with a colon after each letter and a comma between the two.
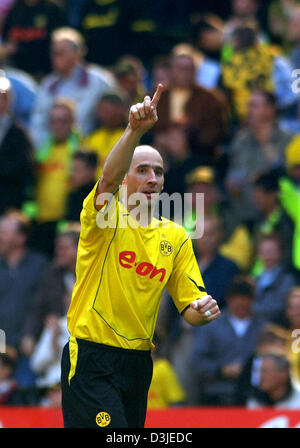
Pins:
x: 142, y: 116
x: 207, y: 307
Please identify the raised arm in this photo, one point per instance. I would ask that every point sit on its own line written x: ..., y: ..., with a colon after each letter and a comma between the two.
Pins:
x: 142, y: 117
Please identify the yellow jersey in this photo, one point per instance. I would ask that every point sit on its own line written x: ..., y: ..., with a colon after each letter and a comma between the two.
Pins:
x: 53, y: 184
x: 101, y: 142
x: 121, y: 272
x: 165, y: 389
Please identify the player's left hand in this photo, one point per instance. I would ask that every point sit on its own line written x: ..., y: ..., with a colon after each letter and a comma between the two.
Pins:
x: 207, y: 307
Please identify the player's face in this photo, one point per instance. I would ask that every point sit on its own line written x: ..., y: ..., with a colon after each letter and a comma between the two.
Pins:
x: 271, y: 377
x: 259, y: 109
x: 240, y: 306
x: 145, y: 175
x: 183, y: 71
x: 269, y: 252
x: 61, y: 123
x: 65, y: 252
x: 9, y: 235
x: 210, y: 240
x: 81, y: 173
x: 293, y: 310
x: 64, y: 57
x: 264, y: 201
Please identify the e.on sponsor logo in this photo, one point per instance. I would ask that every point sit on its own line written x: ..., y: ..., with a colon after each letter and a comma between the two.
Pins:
x: 281, y: 421
x: 127, y: 260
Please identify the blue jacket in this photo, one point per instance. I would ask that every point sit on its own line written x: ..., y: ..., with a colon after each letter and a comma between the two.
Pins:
x: 216, y: 345
x: 218, y: 276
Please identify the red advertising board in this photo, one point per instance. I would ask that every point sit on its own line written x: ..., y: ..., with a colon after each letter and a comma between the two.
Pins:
x: 30, y: 417
x: 223, y: 418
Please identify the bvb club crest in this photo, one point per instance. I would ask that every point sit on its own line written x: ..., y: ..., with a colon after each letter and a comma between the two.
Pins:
x: 166, y: 248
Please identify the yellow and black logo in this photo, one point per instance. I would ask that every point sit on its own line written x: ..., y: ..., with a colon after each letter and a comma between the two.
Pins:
x: 103, y: 419
x: 166, y: 248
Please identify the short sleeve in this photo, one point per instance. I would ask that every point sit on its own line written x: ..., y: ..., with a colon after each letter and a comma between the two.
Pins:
x: 185, y: 283
x: 103, y: 220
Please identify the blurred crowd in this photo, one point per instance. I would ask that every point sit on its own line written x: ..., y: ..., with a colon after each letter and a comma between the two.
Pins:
x: 229, y: 127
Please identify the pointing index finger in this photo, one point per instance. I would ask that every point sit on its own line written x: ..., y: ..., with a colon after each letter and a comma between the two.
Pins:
x: 157, y: 95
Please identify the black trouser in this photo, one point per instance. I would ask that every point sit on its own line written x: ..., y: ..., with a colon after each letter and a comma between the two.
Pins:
x: 109, y: 388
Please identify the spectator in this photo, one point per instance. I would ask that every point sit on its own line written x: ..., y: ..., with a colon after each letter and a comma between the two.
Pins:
x: 171, y: 25
x: 83, y: 179
x: 71, y: 78
x: 272, y: 217
x: 243, y: 11
x: 8, y: 384
x: 111, y: 112
x: 46, y: 358
x: 238, y: 77
x: 124, y: 27
x: 141, y: 28
x: 258, y: 147
x: 202, y: 112
x: 272, y: 339
x: 11, y: 392
x: 26, y: 32
x: 20, y: 271
x: 51, y: 397
x: 236, y: 241
x: 199, y: 61
x: 53, y: 170
x: 16, y: 165
x: 293, y: 35
x: 274, y: 282
x: 23, y: 88
x: 173, y: 145
x: 160, y: 72
x: 103, y: 22
x: 279, y: 25
x: 275, y: 387
x: 129, y: 72
x: 220, y: 351
x: 217, y: 270
x: 208, y: 40
x: 273, y: 72
x: 57, y: 279
x: 165, y: 389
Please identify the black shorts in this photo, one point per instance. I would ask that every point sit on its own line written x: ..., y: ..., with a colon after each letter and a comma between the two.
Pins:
x: 109, y: 388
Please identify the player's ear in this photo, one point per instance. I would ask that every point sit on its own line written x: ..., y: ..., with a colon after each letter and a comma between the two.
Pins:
x: 124, y: 181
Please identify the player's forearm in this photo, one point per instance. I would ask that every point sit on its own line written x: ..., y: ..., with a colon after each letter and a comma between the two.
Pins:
x: 201, y: 311
x: 193, y: 318
x: 118, y: 160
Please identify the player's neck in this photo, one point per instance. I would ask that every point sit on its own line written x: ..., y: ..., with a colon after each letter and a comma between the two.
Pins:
x: 144, y: 217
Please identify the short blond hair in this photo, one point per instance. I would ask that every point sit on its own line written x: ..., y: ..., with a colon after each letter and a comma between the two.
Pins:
x: 67, y: 103
x: 70, y: 35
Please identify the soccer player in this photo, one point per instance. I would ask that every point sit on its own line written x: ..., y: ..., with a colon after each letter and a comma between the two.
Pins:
x: 122, y: 269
